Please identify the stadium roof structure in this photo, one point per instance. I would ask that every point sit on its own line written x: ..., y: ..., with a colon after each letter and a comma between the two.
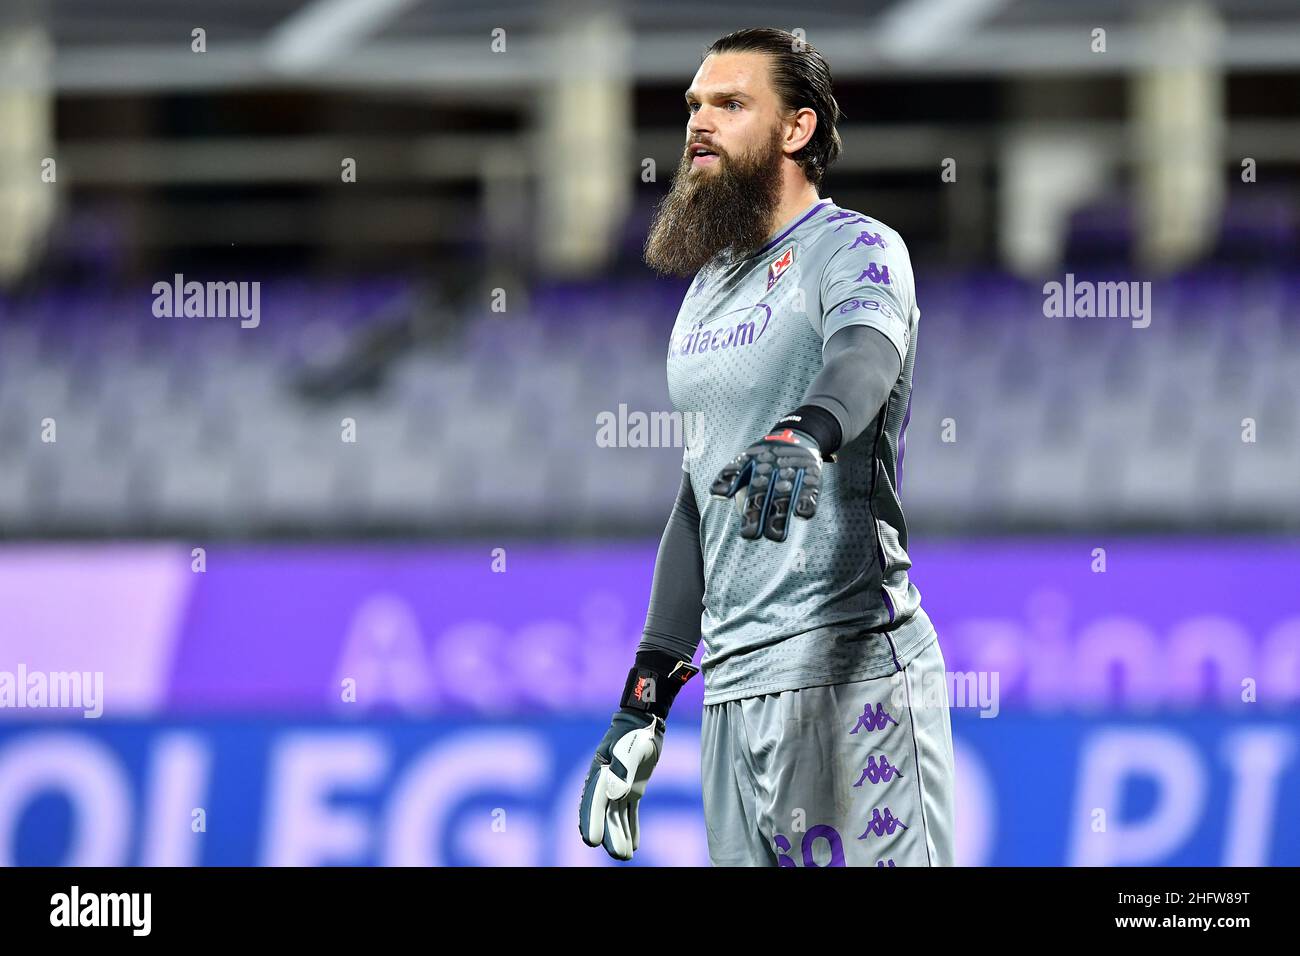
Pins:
x: 144, y: 45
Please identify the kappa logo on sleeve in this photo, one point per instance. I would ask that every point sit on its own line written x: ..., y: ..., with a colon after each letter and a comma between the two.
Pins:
x: 875, y: 273
x: 779, y: 265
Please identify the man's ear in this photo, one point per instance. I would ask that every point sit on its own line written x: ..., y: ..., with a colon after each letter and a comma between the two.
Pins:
x: 804, y: 121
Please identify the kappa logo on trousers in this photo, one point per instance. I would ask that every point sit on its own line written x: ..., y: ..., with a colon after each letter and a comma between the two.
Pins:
x: 881, y: 772
x: 873, y: 721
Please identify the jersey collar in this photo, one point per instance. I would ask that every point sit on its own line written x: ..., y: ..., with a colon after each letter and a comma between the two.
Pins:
x: 726, y: 258
x: 792, y: 224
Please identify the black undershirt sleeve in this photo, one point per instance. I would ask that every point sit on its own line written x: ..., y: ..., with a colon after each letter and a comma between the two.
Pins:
x: 860, y: 367
x: 677, y: 592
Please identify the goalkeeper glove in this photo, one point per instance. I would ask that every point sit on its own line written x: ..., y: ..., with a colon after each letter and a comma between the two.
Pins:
x: 608, y: 813
x: 783, y: 472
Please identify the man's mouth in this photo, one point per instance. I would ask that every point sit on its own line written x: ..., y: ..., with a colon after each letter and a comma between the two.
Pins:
x: 701, y: 155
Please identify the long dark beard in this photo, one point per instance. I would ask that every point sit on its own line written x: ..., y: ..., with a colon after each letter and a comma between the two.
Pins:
x: 706, y: 212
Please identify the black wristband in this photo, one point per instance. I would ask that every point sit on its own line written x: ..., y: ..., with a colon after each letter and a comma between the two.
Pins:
x: 820, y: 423
x: 653, y: 682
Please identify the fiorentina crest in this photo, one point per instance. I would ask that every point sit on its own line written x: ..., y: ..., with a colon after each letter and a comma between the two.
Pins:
x: 779, y: 265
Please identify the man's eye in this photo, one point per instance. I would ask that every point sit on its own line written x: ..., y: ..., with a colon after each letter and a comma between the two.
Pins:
x: 733, y: 103
x: 690, y: 107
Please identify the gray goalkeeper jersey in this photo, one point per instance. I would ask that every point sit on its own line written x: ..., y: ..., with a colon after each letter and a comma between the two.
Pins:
x: 833, y: 602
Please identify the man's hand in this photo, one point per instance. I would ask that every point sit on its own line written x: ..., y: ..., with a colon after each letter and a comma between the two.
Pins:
x: 607, y: 812
x: 779, y: 469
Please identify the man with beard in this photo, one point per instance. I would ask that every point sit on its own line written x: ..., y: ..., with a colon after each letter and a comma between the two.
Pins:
x: 825, y: 735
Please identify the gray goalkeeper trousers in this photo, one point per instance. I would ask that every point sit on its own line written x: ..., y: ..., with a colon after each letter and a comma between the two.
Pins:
x: 853, y: 774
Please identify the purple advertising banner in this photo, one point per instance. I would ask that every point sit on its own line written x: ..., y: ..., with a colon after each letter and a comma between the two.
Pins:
x: 1051, y: 625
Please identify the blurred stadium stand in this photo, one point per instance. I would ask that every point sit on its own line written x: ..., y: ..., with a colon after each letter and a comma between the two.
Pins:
x: 481, y: 171
x: 196, y: 424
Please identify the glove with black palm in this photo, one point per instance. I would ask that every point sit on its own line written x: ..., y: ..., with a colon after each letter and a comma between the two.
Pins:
x: 782, y: 472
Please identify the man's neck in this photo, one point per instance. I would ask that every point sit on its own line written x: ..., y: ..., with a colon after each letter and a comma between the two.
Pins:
x: 795, y: 202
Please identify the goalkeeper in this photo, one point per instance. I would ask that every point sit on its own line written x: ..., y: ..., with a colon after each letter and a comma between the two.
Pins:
x: 825, y: 734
